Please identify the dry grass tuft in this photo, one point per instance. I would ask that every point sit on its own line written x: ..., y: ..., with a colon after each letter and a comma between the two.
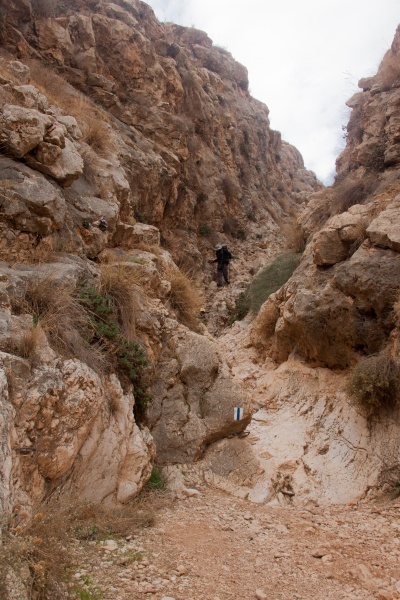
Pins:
x: 45, y: 544
x: 184, y: 298
x: 295, y: 237
x: 26, y: 345
x: 120, y: 283
x: 151, y: 248
x: 97, y: 132
x: 93, y: 121
x: 350, y: 192
x: 55, y: 307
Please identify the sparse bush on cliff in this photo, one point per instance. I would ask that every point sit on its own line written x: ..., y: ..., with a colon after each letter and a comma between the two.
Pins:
x: 119, y: 283
x: 374, y: 383
x: 205, y: 229
x: 350, y: 192
x: 55, y: 308
x: 295, y: 236
x: 267, y: 282
x: 184, y: 298
x: 126, y: 357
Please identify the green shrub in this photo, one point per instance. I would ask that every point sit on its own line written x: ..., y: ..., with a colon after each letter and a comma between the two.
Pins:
x: 374, y: 383
x: 127, y: 357
x: 157, y: 480
x: 268, y: 281
x: 205, y: 229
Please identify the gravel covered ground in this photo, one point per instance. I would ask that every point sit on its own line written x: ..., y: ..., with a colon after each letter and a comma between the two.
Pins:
x: 211, y: 546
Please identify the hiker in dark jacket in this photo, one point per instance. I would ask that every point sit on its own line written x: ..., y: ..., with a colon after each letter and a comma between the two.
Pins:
x: 223, y: 258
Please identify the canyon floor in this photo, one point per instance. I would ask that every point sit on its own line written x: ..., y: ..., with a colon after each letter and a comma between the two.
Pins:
x: 211, y: 546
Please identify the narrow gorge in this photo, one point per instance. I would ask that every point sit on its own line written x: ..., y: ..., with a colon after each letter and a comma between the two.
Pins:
x: 268, y: 409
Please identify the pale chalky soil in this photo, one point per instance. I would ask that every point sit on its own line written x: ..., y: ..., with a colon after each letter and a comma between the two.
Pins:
x: 215, y: 547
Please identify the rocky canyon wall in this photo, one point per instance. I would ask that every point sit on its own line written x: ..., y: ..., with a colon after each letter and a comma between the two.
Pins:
x: 121, y: 141
x: 338, y: 312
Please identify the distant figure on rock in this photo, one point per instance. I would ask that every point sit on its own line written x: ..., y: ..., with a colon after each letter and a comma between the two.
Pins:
x: 223, y: 258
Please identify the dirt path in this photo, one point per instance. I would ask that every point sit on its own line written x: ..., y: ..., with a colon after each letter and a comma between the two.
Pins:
x: 214, y: 547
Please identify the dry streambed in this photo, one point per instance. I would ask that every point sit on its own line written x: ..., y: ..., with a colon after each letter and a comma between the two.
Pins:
x: 213, y: 547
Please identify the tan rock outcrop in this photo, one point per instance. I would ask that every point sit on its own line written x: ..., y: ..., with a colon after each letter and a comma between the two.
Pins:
x: 22, y: 129
x: 384, y: 231
x: 78, y: 426
x: 190, y: 161
x: 343, y: 234
x: 29, y: 202
x: 62, y: 164
x: 194, y: 399
x: 312, y: 446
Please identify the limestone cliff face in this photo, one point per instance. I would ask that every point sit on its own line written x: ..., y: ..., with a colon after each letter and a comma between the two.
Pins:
x: 108, y: 116
x: 195, y: 148
x: 339, y: 304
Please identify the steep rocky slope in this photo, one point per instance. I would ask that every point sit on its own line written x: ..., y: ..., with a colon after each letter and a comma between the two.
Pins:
x: 125, y: 144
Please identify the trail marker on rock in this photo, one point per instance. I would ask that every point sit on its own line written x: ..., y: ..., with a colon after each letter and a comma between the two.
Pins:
x: 238, y: 414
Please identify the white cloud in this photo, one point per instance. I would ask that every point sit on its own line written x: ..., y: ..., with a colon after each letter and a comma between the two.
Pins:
x: 304, y: 58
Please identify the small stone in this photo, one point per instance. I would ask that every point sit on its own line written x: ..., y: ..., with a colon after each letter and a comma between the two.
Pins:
x: 190, y: 492
x: 167, y: 598
x: 261, y: 595
x: 327, y: 558
x: 110, y: 545
x: 182, y: 570
x: 318, y: 553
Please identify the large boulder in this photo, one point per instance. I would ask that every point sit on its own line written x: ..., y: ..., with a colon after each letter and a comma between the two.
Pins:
x: 64, y: 411
x: 384, y: 231
x: 194, y: 398
x: 62, y: 164
x: 340, y: 237
x: 129, y: 236
x: 328, y: 315
x: 22, y: 129
x: 29, y: 201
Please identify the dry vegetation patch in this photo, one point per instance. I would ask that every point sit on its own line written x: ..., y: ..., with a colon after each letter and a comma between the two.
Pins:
x: 374, y: 384
x: 184, y: 298
x: 55, y: 307
x: 120, y: 283
x: 42, y: 549
x: 93, y: 121
x: 350, y: 192
x: 295, y: 236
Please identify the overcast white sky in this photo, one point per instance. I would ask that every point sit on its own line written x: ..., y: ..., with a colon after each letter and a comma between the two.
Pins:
x: 304, y: 58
